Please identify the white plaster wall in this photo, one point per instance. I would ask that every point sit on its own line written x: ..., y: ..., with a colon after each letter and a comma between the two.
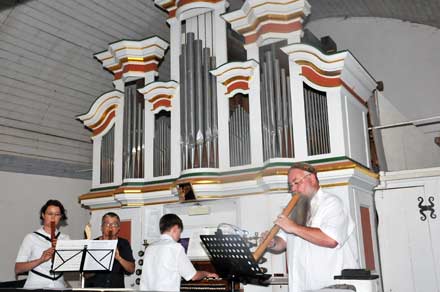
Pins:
x: 406, y: 147
x: 22, y: 196
x: 405, y: 56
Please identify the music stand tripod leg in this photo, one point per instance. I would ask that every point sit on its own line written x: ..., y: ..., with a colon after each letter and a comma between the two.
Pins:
x: 81, y: 269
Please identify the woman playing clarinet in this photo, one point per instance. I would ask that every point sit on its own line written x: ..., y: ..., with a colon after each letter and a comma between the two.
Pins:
x: 37, y: 249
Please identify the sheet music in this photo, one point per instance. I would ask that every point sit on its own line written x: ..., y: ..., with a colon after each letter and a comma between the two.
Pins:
x: 196, y: 249
x: 151, y: 225
x: 99, y: 255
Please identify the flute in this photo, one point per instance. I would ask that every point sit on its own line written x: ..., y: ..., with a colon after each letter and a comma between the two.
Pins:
x: 52, y: 241
x: 52, y: 233
x: 273, y: 232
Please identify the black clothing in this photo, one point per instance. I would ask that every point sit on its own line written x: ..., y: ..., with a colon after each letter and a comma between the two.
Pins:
x: 115, y: 278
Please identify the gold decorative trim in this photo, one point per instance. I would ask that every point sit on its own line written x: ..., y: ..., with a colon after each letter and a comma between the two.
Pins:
x: 334, y: 185
x: 101, y: 105
x: 148, y: 203
x: 226, y: 179
x: 320, y: 71
x: 104, y: 116
x: 236, y: 78
x: 367, y: 172
x: 307, y: 52
x: 159, y: 87
x: 261, y: 4
x: 267, y: 17
x: 137, y: 48
x: 124, y: 60
x: 159, y: 97
x: 104, y: 208
x: 235, y: 68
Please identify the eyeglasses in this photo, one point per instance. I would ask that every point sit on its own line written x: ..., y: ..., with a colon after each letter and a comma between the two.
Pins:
x: 297, y: 182
x: 110, y: 225
x: 53, y: 214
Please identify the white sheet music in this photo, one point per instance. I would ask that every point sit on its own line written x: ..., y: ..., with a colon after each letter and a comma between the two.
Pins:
x: 99, y: 256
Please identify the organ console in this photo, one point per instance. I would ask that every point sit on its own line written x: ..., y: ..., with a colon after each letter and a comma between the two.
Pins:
x: 208, y: 284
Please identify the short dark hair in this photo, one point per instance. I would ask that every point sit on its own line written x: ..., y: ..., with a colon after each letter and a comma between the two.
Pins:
x: 168, y: 221
x: 55, y: 203
x: 110, y: 214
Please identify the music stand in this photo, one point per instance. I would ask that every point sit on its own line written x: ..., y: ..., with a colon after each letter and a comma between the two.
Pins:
x: 233, y: 260
x: 84, y: 255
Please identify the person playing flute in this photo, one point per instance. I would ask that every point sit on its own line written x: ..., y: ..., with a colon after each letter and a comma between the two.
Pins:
x: 318, y: 236
x: 37, y: 249
x: 124, y: 260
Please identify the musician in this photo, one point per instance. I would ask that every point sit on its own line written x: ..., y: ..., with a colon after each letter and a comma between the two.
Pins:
x: 165, y: 261
x: 37, y: 249
x: 319, y: 235
x: 124, y: 261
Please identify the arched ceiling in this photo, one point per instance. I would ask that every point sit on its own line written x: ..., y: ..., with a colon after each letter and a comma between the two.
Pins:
x: 418, y: 11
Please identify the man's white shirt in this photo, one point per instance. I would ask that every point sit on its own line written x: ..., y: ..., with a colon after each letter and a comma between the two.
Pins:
x: 31, y: 249
x: 165, y: 262
x: 311, y: 266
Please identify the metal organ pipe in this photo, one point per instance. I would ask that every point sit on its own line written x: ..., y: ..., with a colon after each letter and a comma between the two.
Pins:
x: 162, y: 138
x: 140, y: 130
x: 112, y: 153
x: 107, y: 157
x: 199, y: 131
x: 207, y: 104
x: 133, y: 133
x: 183, y: 112
x: 266, y: 112
x: 214, y: 114
x: 239, y: 126
x: 315, y: 106
x: 276, y: 112
x: 289, y: 115
x: 269, y: 70
x: 127, y: 142
x: 199, y: 100
x: 285, y: 117
x: 279, y: 113
x: 190, y: 113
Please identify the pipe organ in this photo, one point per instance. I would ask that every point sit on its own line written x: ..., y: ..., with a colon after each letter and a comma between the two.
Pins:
x: 198, y: 104
x: 317, y: 131
x: 276, y: 113
x: 133, y: 131
x: 230, y: 128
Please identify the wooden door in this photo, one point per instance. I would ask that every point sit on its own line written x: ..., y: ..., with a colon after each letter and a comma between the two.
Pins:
x: 406, y: 242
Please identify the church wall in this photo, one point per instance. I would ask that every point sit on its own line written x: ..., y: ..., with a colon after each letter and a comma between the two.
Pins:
x: 22, y: 196
x: 404, y: 56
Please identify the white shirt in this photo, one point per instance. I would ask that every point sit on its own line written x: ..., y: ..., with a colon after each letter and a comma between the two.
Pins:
x: 312, y: 266
x: 31, y: 248
x: 165, y: 262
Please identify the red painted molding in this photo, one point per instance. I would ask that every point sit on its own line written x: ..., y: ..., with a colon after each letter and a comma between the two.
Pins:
x: 317, y: 79
x: 162, y: 102
x: 107, y: 121
x: 242, y: 85
x: 273, y: 27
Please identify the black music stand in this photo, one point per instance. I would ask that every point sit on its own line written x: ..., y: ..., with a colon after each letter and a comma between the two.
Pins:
x: 233, y: 260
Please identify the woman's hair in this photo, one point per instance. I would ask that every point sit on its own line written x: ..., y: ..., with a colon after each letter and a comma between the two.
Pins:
x: 55, y: 203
